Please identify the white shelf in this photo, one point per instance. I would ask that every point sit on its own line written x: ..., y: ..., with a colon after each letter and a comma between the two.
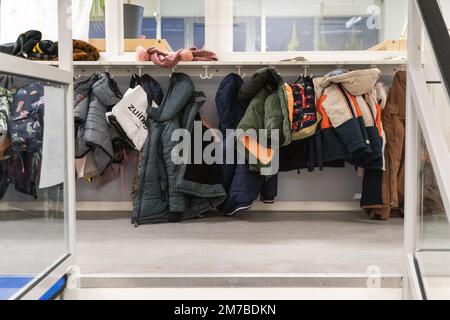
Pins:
x: 30, y: 69
x: 234, y: 63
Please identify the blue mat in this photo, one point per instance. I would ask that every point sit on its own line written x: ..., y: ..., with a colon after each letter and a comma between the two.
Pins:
x: 10, y: 285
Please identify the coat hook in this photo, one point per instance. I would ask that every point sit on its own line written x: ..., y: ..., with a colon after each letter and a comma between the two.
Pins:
x: 206, y: 76
x: 140, y: 71
x: 172, y: 72
x: 242, y: 75
x: 306, y: 69
x: 77, y: 76
x: 107, y: 71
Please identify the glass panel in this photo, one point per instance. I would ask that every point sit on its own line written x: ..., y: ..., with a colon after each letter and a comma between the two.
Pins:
x: 327, y: 25
x: 32, y: 173
x: 434, y: 241
x: 435, y: 227
x: 182, y: 23
x: 445, y: 9
x: 442, y: 104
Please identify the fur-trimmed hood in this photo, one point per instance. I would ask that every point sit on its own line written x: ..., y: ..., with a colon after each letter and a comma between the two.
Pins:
x: 357, y: 82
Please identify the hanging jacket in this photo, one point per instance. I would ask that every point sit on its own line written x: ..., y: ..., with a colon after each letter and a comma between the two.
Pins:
x: 6, y: 99
x: 26, y: 125
x: 95, y: 97
x: 269, y: 105
x: 351, y: 118
x: 167, y: 192
x: 242, y: 185
x: 389, y: 196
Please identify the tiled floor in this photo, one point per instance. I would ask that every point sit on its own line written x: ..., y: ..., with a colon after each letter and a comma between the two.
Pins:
x: 251, y: 243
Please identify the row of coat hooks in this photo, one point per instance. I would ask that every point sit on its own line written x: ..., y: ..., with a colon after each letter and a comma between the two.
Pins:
x: 207, y: 74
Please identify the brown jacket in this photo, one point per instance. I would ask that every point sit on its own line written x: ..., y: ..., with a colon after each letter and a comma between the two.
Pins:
x: 393, y: 181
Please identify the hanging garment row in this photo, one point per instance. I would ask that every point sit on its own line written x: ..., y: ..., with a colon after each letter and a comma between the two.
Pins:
x: 323, y: 122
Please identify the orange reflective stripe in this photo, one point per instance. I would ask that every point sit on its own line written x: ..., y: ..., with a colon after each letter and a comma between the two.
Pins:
x: 290, y: 99
x: 379, y: 123
x: 326, y: 123
x: 263, y: 154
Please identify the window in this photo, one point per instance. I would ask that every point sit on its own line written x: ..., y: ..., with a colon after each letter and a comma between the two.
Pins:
x: 327, y: 25
x: 97, y: 20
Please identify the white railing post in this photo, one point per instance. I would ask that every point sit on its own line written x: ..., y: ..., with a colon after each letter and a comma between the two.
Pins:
x: 412, y: 132
x: 219, y: 25
x: 66, y: 64
x: 114, y: 28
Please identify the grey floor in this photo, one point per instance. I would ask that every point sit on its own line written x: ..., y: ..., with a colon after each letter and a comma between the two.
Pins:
x: 29, y: 242
x: 251, y: 243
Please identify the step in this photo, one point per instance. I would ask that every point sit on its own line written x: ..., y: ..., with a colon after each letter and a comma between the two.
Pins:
x: 190, y: 294
x: 285, y: 280
x: 237, y: 287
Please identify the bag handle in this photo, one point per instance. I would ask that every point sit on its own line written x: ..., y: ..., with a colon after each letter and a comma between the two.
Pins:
x: 136, y: 80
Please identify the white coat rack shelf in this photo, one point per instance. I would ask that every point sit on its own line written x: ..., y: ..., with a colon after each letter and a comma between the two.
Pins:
x: 210, y: 70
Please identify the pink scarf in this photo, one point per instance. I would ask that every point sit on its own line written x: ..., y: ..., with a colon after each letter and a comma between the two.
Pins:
x: 171, y: 59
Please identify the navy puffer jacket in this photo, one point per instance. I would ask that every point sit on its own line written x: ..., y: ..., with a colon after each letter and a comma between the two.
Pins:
x: 242, y: 185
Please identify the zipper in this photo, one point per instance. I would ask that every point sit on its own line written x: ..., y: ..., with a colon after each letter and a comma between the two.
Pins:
x: 143, y: 161
x: 163, y: 190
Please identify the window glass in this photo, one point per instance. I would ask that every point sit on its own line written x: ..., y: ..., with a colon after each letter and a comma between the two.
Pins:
x: 19, y: 16
x: 327, y: 25
x: 97, y: 20
x: 181, y: 23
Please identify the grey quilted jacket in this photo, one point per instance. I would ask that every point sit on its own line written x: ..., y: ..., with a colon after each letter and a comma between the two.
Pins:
x: 167, y: 192
x: 94, y: 97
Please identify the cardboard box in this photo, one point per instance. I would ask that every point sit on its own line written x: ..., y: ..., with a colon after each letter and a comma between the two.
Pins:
x: 130, y: 45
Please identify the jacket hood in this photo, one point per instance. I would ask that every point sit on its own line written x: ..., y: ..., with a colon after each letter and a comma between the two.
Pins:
x: 181, y: 91
x: 106, y: 90
x: 357, y: 82
x: 153, y: 90
x: 269, y: 77
x: 228, y: 107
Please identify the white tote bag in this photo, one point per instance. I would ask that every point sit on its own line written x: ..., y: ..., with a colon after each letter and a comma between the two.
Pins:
x: 131, y: 114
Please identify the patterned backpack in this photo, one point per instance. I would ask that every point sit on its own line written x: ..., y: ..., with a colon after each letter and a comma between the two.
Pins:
x: 306, y: 118
x: 26, y: 130
x: 27, y: 120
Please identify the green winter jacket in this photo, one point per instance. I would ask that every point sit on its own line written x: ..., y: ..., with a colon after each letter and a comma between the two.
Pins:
x: 267, y: 105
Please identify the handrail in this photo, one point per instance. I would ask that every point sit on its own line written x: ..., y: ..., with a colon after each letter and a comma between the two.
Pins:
x: 436, y: 28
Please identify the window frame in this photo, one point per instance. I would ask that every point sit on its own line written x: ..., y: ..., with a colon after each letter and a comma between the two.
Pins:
x: 219, y: 31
